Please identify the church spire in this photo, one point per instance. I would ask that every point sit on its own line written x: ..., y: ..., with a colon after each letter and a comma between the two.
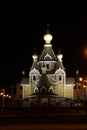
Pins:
x: 35, y: 56
x: 59, y: 51
x: 48, y: 28
x: 48, y: 37
x: 48, y: 52
x: 60, y: 56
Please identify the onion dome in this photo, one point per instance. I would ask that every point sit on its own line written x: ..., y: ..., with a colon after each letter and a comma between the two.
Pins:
x: 48, y: 38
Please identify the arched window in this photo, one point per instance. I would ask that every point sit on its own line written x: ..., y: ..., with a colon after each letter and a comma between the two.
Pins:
x: 43, y: 90
x: 51, y: 90
x: 34, y: 77
x: 60, y: 77
x: 48, y: 67
x: 36, y: 90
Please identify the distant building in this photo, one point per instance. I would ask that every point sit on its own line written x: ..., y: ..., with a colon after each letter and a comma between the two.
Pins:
x: 47, y: 76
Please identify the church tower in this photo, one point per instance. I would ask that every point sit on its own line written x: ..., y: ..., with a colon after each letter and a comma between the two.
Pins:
x: 47, y: 74
x: 54, y: 68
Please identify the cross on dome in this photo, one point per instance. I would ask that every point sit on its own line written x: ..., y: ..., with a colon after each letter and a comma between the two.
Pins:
x: 48, y: 37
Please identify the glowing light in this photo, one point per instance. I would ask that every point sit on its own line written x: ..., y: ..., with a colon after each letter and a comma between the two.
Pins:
x: 47, y: 45
x: 23, y: 72
x: 80, y: 79
x: 60, y: 56
x: 1, y: 93
x: 35, y: 57
x: 84, y: 86
x: 48, y: 38
x: 9, y: 96
x: 86, y: 51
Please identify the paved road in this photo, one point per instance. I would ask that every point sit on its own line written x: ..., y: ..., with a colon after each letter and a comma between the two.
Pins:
x: 45, y: 127
x: 40, y: 122
x: 40, y: 119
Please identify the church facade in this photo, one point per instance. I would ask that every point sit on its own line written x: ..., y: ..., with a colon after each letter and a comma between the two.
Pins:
x: 47, y: 75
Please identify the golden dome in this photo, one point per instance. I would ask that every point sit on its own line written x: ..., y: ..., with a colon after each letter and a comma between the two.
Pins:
x: 34, y: 57
x: 48, y: 37
x: 60, y: 56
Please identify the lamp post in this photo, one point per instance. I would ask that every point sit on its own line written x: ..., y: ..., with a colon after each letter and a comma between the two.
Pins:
x: 3, y: 103
x: 84, y: 92
x: 77, y: 96
x: 77, y: 85
x: 80, y: 87
x: 83, y: 83
x: 85, y: 97
x: 12, y: 87
x: 77, y: 88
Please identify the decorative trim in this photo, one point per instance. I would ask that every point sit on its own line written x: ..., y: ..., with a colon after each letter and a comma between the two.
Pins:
x: 36, y: 89
x: 48, y: 45
x: 34, y: 71
x: 47, y: 55
x: 60, y: 70
x: 51, y: 88
x: 48, y: 61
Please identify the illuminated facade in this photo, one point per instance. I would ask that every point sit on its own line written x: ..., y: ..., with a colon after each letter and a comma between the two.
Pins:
x: 47, y: 75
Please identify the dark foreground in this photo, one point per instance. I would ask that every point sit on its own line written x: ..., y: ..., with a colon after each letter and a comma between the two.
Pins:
x: 41, y: 122
x: 41, y: 119
x: 45, y: 127
x: 22, y: 120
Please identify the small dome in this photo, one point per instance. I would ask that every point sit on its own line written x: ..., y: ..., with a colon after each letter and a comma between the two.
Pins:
x: 35, y: 57
x: 48, y: 38
x: 60, y: 56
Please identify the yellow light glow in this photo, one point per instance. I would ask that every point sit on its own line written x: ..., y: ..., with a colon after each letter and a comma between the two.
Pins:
x: 84, y: 86
x: 48, y: 38
x: 9, y: 96
x: 60, y: 56
x: 47, y: 45
x: 35, y: 57
x: 85, y: 51
x: 80, y: 79
x: 1, y: 93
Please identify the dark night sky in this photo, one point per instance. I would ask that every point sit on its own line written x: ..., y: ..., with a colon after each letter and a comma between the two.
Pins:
x: 19, y: 35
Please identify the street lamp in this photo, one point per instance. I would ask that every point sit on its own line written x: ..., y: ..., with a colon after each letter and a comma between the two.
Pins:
x: 80, y: 91
x: 83, y: 84
x: 85, y: 98
x: 12, y: 90
x: 85, y: 87
x: 3, y: 95
x: 77, y: 88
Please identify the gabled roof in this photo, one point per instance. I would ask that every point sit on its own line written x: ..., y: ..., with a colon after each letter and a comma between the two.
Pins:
x: 58, y: 65
x: 61, y: 65
x: 35, y: 65
x: 47, y: 54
